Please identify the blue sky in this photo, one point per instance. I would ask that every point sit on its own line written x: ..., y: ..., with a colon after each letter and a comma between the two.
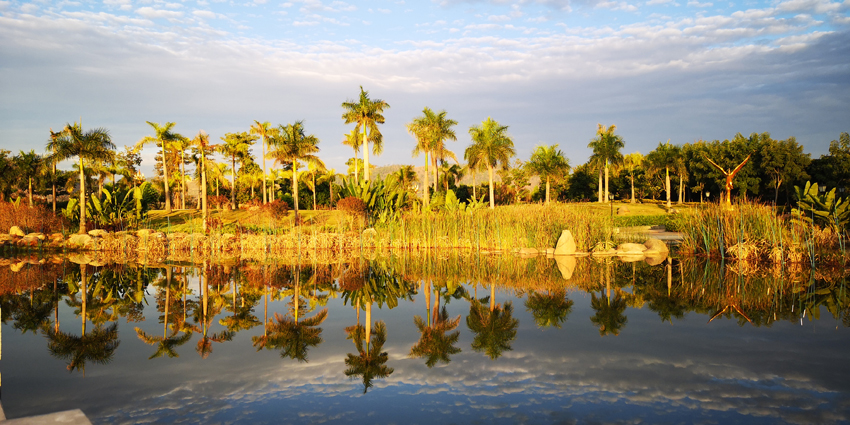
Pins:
x: 549, y: 69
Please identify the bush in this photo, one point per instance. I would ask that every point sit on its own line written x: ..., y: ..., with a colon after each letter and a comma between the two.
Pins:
x: 351, y: 205
x: 217, y: 202
x: 31, y: 219
x: 277, y: 208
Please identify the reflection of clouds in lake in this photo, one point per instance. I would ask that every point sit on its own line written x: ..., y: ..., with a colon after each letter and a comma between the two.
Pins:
x: 515, y: 388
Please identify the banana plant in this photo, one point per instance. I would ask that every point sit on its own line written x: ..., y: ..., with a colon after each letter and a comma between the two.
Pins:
x: 825, y: 209
x: 383, y: 200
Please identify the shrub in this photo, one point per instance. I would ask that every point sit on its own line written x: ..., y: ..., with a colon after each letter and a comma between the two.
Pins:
x: 31, y: 219
x: 277, y: 208
x: 351, y: 205
x: 217, y: 202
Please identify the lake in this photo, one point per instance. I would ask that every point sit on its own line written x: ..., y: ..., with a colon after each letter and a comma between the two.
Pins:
x: 451, y: 338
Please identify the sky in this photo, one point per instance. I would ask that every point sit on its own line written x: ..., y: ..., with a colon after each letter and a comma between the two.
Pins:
x: 551, y: 70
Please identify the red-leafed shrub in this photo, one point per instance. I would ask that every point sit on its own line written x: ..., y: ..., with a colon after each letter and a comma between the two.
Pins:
x: 31, y: 219
x: 351, y: 205
x: 217, y: 201
x: 277, y: 208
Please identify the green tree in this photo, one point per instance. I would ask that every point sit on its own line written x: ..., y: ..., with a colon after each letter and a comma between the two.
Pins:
x: 606, y: 151
x: 549, y: 308
x: 784, y: 163
x: 665, y: 157
x: 833, y: 170
x: 202, y: 149
x: 291, y: 145
x: 494, y: 328
x: 367, y: 114
x: 87, y: 146
x: 491, y: 145
x: 265, y: 131
x: 163, y: 138
x: 434, y: 345
x: 29, y: 166
x: 632, y: 163
x: 354, y: 140
x: 548, y: 162
x: 236, y: 145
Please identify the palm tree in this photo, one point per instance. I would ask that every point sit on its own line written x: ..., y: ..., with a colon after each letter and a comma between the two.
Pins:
x: 432, y: 130
x: 631, y: 163
x: 665, y: 157
x: 405, y: 177
x: 452, y: 173
x: 434, y: 344
x: 52, y: 142
x: 98, y: 346
x: 312, y: 169
x: 367, y: 113
x: 329, y: 175
x: 92, y: 145
x: 548, y: 162
x: 294, y: 338
x: 202, y: 148
x: 235, y: 145
x: 494, y: 328
x: 609, y: 315
x: 549, y: 309
x: 354, y: 140
x: 293, y: 145
x: 265, y: 131
x: 491, y: 145
x: 606, y: 150
x: 29, y: 166
x: 369, y: 362
x: 163, y: 138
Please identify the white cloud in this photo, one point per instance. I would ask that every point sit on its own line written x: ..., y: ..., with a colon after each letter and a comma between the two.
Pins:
x: 121, y: 4
x: 694, y: 3
x: 205, y: 14
x: 384, y: 10
x: 151, y: 13
x: 498, y: 18
x: 655, y: 2
x: 617, y: 6
x: 29, y: 8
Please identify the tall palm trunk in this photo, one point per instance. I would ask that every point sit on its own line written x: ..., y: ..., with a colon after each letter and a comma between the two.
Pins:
x: 82, y: 198
x: 182, y: 181
x: 425, y: 190
x: 492, y: 297
x: 53, y: 179
x: 84, y: 295
x: 314, y: 190
x: 607, y: 197
x: 295, y: 188
x: 490, y: 173
x: 681, y: 190
x: 473, y: 184
x: 599, y: 192
x: 265, y: 198
x: 365, y: 156
x: 368, y: 324
x: 204, y: 210
x: 165, y: 179
x: 667, y: 177
x: 547, y: 190
x: 29, y: 191
x: 233, y: 182
x: 633, y: 188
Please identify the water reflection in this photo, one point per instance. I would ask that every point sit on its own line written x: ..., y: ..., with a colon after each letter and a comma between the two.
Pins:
x: 311, y: 313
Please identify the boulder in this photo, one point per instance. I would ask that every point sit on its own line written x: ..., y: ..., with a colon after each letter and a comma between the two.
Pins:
x: 80, y: 241
x: 550, y: 252
x: 79, y: 259
x: 604, y: 252
x: 623, y: 210
x: 631, y: 248
x: 144, y: 232
x: 57, y: 237
x: 656, y: 244
x: 566, y: 265
x: 566, y: 244
x: 29, y: 241
x: 656, y: 259
x: 630, y: 257
x: 39, y: 236
x: 98, y: 233
x: 16, y: 231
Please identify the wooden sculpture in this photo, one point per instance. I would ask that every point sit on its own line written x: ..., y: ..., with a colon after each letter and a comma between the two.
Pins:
x: 729, y: 176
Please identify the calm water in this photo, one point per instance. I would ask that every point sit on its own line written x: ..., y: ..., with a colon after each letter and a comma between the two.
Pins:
x: 676, y: 342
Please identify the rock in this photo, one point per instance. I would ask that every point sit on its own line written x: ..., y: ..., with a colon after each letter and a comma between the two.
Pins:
x: 623, y: 210
x: 16, y: 231
x: 631, y: 248
x: 604, y: 252
x: 630, y: 257
x: 656, y: 259
x: 566, y: 265
x: 144, y: 232
x: 57, y: 237
x: 566, y: 244
x: 98, y: 233
x: 656, y: 244
x: 550, y: 252
x: 16, y: 267
x: 529, y: 251
x: 79, y: 259
x: 29, y: 241
x: 370, y: 231
x: 39, y: 236
x: 80, y: 241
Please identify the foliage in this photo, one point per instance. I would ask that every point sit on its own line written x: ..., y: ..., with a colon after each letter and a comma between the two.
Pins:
x: 31, y: 219
x: 277, y: 207
x: 824, y: 209
x: 117, y: 209
x: 383, y: 200
x: 352, y: 205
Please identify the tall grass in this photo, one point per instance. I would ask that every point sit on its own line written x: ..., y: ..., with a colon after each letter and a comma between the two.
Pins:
x: 504, y: 228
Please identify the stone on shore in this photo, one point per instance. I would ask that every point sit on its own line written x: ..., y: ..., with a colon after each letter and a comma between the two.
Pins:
x: 624, y: 210
x: 16, y: 231
x: 656, y: 244
x: 39, y: 236
x: 566, y: 244
x: 528, y: 252
x: 98, y: 233
x: 80, y: 241
x: 655, y: 259
x: 631, y: 248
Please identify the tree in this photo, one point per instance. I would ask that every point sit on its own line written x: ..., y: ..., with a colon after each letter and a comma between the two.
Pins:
x: 491, y: 145
x: 328, y: 176
x: 29, y: 166
x: 235, y: 145
x: 494, y: 328
x: 548, y: 162
x: 665, y: 157
x: 785, y: 163
x: 202, y: 148
x: 405, y: 177
x: 291, y: 145
x: 549, y: 309
x: 370, y: 361
x: 433, y: 343
x: 367, y: 114
x: 92, y: 145
x: 354, y: 140
x: 631, y: 163
x: 431, y: 131
x: 265, y: 131
x: 163, y: 138
x: 833, y: 170
x: 606, y: 150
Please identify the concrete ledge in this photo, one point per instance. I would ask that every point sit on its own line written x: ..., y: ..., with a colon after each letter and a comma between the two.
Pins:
x: 68, y: 417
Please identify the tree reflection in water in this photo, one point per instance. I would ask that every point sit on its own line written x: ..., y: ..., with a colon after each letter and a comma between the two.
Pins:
x: 494, y: 328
